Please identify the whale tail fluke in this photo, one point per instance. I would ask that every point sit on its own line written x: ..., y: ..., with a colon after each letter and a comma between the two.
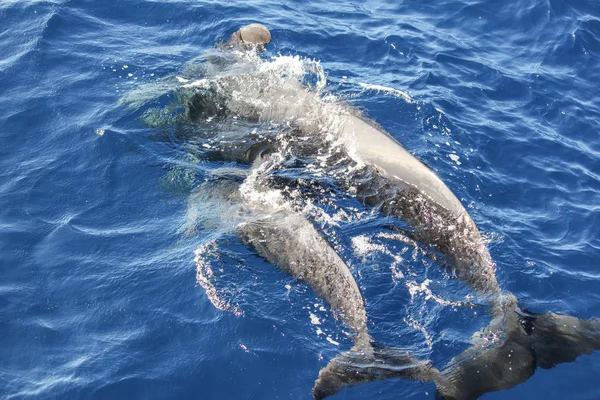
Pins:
x: 562, y: 338
x: 528, y: 341
x: 503, y: 355
x: 357, y: 366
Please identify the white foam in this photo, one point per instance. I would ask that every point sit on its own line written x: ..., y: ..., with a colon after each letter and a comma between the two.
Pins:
x: 364, y: 246
x: 200, y: 83
x: 330, y: 340
x: 413, y: 323
x: 385, y: 89
x: 455, y: 158
x: 314, y: 319
x: 205, y: 275
x: 415, y: 288
x: 264, y: 198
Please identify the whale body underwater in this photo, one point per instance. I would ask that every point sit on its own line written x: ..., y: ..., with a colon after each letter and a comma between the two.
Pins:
x: 388, y: 178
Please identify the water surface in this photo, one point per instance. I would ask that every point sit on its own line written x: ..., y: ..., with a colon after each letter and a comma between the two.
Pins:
x: 98, y: 284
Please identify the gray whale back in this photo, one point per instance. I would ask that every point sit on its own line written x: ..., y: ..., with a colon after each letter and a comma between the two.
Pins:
x: 379, y: 149
x: 291, y: 242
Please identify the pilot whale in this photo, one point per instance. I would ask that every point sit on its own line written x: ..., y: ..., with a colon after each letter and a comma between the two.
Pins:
x: 286, y: 238
x: 399, y: 185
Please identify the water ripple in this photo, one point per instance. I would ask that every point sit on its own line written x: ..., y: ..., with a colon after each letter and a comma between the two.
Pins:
x: 98, y: 292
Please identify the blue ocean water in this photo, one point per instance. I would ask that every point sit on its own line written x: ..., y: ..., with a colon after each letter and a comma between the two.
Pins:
x: 99, y: 296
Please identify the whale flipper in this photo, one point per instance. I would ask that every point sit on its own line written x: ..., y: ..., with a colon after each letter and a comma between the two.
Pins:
x: 359, y: 365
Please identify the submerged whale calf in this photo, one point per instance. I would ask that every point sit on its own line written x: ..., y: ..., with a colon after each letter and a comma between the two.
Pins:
x: 399, y: 185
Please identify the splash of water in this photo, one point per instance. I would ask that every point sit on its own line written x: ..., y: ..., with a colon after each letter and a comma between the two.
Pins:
x: 205, y: 276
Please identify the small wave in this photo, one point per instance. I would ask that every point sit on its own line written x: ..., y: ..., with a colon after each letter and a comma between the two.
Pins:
x: 205, y: 277
x: 385, y: 89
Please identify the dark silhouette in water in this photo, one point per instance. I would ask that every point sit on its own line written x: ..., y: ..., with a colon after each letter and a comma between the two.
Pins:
x: 399, y: 185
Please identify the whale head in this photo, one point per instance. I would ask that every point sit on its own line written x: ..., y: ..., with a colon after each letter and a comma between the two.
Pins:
x: 253, y: 35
